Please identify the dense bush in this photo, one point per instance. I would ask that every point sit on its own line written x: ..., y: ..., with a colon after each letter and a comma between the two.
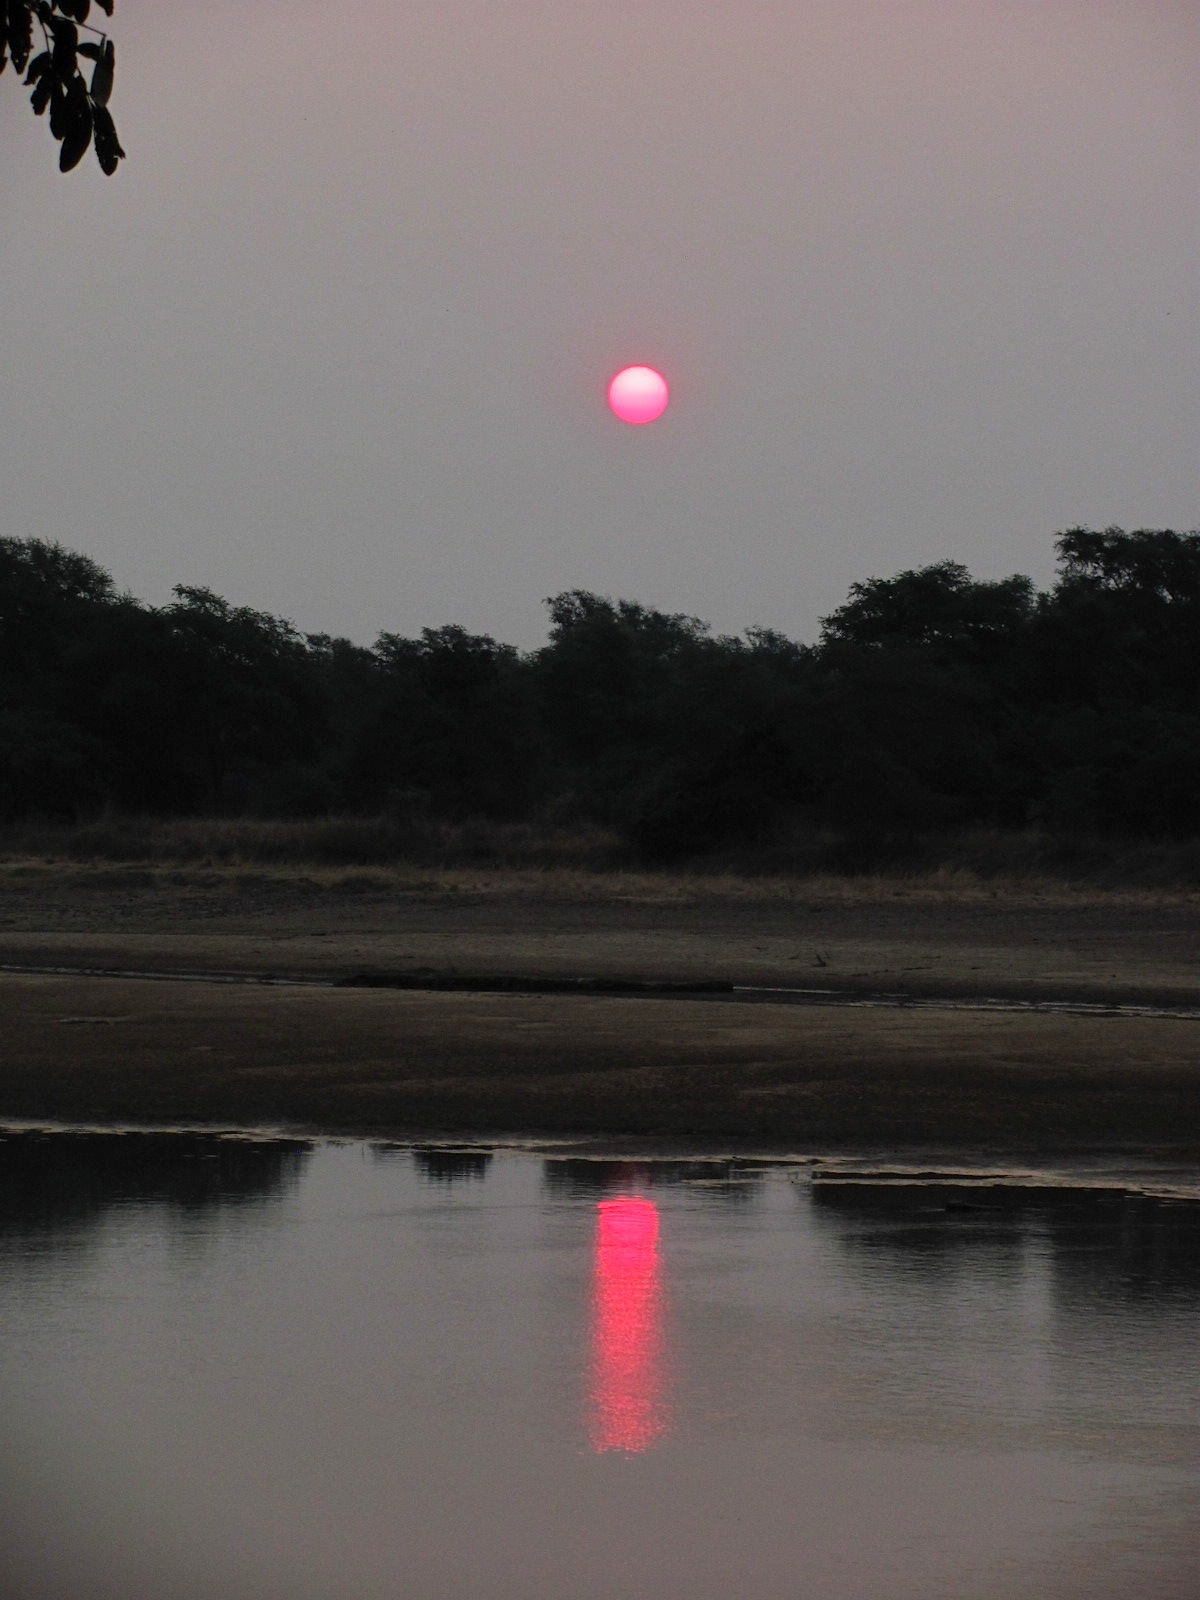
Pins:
x: 930, y: 703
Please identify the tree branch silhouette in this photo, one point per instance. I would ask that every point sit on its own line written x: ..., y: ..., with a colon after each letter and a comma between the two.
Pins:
x: 79, y: 114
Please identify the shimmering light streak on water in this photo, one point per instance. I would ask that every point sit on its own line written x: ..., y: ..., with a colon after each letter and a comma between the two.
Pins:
x: 627, y: 1406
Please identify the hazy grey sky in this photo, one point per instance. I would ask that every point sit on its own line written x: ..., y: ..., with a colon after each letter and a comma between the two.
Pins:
x: 923, y: 275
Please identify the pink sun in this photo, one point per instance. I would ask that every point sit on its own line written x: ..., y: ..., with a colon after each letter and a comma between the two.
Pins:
x: 638, y: 394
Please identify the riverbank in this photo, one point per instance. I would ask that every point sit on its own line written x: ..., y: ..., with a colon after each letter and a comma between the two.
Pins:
x: 415, y: 1061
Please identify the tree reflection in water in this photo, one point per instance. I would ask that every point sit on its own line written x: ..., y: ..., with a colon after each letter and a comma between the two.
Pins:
x: 62, y: 1185
x: 627, y: 1404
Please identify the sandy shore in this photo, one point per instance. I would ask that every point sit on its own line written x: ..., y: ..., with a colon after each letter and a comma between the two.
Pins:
x: 408, y: 1063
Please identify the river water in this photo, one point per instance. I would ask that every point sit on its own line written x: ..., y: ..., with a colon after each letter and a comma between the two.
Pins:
x: 235, y: 1368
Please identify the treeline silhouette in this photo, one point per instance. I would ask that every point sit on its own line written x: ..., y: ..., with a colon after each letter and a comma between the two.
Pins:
x: 932, y: 701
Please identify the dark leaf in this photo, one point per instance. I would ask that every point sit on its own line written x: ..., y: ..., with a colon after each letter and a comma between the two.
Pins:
x: 105, y: 6
x: 20, y: 37
x: 108, y: 150
x: 91, y: 51
x: 39, y: 65
x: 102, y: 75
x: 40, y: 98
x: 59, y: 118
x: 78, y: 136
x: 66, y: 41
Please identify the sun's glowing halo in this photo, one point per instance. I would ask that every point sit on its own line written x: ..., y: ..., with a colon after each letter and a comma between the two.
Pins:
x: 638, y: 394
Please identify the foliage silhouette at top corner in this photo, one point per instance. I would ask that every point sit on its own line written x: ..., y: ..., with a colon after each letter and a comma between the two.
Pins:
x: 79, y: 114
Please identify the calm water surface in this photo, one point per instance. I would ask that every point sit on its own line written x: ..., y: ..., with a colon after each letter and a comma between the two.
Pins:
x: 234, y: 1369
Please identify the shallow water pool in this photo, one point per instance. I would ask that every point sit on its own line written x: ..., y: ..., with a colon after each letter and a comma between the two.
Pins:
x: 273, y: 1368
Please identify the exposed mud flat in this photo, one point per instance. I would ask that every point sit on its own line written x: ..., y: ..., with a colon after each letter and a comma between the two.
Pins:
x: 1010, y: 1025
x: 1017, y: 941
x: 369, y: 1060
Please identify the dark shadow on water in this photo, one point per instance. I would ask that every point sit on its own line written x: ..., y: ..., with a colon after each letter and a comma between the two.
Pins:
x: 64, y: 1183
x: 451, y: 1166
x: 437, y: 1164
x: 576, y: 1178
x: 1100, y: 1245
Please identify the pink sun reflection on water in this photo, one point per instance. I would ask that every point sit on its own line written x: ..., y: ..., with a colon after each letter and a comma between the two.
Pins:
x: 627, y: 1407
